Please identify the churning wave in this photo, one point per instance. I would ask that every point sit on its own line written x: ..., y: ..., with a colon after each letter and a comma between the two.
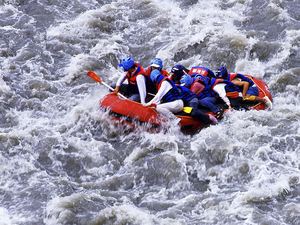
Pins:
x: 64, y: 162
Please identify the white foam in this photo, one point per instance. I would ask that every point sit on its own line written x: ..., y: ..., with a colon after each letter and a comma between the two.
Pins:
x: 192, y: 26
x: 265, y: 187
x: 59, y: 209
x: 127, y: 213
x: 238, y: 134
x: 5, y: 217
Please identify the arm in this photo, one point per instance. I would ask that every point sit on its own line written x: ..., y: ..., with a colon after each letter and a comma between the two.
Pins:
x: 141, y: 83
x: 164, y: 88
x: 243, y: 84
x: 119, y: 82
x: 220, y: 89
x: 244, y: 78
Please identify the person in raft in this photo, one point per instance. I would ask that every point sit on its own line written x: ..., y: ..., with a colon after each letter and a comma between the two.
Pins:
x: 211, y: 91
x: 177, y: 72
x: 200, y: 85
x: 248, y: 88
x: 191, y: 106
x: 172, y: 98
x: 135, y: 75
x: 168, y: 98
x: 155, y: 64
x: 203, y: 71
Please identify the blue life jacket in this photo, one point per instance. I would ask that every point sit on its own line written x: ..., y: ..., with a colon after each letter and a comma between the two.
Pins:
x: 230, y: 87
x: 186, y: 94
x: 173, y: 94
x: 244, y: 78
x: 202, y: 79
x: 207, y: 91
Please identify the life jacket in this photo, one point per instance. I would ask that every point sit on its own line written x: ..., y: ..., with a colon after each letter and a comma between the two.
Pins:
x: 131, y: 77
x: 165, y: 73
x: 186, y: 94
x: 200, y: 83
x: 232, y: 91
x: 197, y: 87
x: 162, y: 72
x: 202, y: 71
x: 201, y: 79
x: 201, y: 86
x: 173, y: 94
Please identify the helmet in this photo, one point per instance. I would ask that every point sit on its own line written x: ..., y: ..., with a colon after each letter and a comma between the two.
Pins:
x: 222, y: 72
x: 154, y: 75
x: 157, y: 62
x: 186, y: 80
x: 126, y: 63
x: 178, y: 70
x: 202, y: 79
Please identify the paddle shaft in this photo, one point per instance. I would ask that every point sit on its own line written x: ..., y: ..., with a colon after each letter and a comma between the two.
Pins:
x: 98, y: 79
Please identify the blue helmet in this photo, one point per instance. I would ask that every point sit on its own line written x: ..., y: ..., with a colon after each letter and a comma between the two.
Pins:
x: 126, y: 63
x: 154, y: 75
x: 202, y: 79
x: 157, y: 62
x: 186, y: 80
x: 222, y: 72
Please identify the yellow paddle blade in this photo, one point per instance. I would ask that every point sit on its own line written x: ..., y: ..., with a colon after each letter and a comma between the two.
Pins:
x: 250, y: 98
x: 187, y: 109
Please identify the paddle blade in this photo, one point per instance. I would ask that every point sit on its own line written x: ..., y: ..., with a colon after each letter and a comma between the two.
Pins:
x: 94, y: 76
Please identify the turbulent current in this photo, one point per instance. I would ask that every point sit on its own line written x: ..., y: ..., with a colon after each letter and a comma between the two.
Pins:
x: 62, y: 161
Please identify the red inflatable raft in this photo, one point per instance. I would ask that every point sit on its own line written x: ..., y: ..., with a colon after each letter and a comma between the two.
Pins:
x: 132, y: 112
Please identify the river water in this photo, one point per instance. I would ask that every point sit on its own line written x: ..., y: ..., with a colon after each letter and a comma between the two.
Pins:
x: 62, y: 161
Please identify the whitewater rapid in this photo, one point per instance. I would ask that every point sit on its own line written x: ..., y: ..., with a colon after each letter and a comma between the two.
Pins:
x: 62, y: 161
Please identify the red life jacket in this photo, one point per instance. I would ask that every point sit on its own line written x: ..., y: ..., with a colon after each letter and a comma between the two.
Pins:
x: 165, y: 73
x: 232, y: 76
x: 131, y: 77
x: 162, y: 72
x: 199, y: 70
x: 197, y: 87
x: 158, y: 84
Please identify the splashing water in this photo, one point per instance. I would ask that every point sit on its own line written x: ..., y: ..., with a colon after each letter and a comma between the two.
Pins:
x: 64, y: 162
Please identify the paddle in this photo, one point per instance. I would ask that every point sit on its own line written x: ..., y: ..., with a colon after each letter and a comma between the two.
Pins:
x: 99, y: 80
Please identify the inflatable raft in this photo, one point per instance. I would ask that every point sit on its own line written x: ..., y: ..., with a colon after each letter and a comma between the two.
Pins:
x: 131, y: 112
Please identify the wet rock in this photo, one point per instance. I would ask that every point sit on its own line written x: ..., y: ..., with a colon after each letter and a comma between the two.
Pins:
x: 293, y: 181
x: 44, y: 148
x: 41, y: 85
x: 198, y: 184
x: 30, y: 104
x: 290, y: 77
x: 7, y: 142
x: 157, y: 205
x: 161, y: 169
x: 118, y: 182
x: 244, y: 168
x: 263, y: 50
x: 218, y: 156
x: 7, y: 119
